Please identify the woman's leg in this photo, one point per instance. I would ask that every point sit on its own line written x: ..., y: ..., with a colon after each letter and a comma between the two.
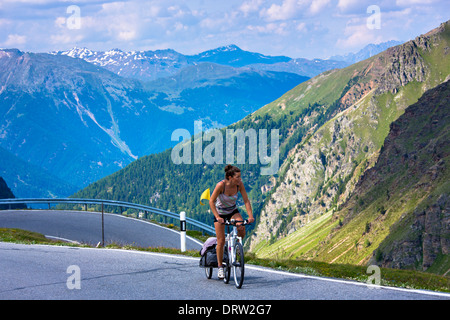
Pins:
x: 220, y: 235
x: 240, y: 227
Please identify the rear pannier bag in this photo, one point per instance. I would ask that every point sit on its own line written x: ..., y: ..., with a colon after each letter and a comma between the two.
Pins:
x: 209, y: 255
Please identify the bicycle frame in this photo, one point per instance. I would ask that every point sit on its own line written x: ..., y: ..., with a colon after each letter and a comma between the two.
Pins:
x: 233, y: 236
x: 235, y: 250
x: 231, y: 239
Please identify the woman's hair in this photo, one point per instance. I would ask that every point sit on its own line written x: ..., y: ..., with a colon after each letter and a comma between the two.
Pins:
x: 230, y: 171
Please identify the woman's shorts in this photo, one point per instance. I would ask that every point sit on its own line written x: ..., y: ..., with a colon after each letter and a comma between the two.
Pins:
x: 227, y: 217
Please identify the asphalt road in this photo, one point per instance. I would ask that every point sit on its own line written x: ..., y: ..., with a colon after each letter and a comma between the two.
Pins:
x: 53, y: 272
x: 86, y: 227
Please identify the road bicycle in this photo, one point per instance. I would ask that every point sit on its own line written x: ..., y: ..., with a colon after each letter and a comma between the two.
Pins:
x: 233, y: 245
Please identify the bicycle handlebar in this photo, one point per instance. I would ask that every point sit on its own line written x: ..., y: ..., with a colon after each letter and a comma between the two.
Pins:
x: 233, y: 222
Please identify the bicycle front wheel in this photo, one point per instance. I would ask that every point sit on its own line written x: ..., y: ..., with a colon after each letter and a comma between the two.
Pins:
x: 238, y: 265
x: 226, y: 267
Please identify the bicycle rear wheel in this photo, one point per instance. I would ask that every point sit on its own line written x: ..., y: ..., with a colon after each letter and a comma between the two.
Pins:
x: 238, y: 265
x: 208, y: 272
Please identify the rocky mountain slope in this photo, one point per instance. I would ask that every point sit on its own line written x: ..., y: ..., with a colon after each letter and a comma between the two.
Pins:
x: 321, y: 173
x: 408, y: 189
x: 398, y: 214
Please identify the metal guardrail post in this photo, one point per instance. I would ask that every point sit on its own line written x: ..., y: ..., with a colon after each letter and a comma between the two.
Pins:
x: 183, y: 230
x: 103, y: 226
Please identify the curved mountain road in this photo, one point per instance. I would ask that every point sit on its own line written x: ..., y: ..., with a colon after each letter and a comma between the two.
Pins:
x: 55, y: 272
x: 86, y: 227
x: 46, y: 272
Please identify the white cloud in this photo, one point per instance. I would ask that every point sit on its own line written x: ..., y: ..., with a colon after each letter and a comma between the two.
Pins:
x: 287, y: 10
x: 5, y: 22
x: 346, y: 5
x: 270, y: 28
x: 298, y: 28
x: 60, y: 22
x: 15, y: 40
x: 250, y: 6
x: 126, y: 35
x: 40, y: 2
x: 317, y: 6
x: 405, y: 3
x: 358, y: 36
x: 294, y: 9
x: 301, y: 27
x: 65, y: 38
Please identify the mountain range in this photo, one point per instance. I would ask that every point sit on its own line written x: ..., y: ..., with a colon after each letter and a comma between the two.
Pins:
x: 79, y: 115
x: 368, y: 51
x: 347, y: 190
x: 81, y: 122
x: 151, y: 65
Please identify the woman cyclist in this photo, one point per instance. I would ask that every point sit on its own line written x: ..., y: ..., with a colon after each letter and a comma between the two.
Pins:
x: 223, y: 206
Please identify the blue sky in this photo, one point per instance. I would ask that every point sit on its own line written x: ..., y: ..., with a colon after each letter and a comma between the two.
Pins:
x: 295, y: 28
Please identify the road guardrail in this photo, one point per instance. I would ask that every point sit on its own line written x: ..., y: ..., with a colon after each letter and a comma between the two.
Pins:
x: 147, y: 209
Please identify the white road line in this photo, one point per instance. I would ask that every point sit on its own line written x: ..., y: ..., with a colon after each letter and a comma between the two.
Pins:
x: 62, y: 239
x: 371, y: 286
